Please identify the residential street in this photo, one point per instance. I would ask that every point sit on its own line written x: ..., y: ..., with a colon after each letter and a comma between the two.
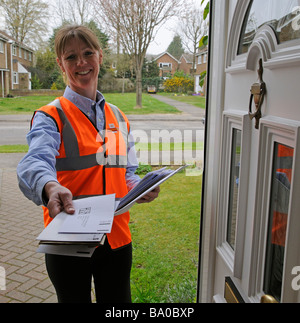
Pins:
x: 154, y: 128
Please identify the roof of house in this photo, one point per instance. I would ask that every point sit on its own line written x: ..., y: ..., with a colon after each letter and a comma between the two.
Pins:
x: 187, y: 57
x: 5, y: 36
x: 166, y: 53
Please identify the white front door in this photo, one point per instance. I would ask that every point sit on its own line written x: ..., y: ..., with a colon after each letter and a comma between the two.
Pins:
x: 251, y: 201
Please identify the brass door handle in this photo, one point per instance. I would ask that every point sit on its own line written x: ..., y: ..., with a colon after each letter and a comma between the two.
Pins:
x: 258, y: 91
x: 268, y: 299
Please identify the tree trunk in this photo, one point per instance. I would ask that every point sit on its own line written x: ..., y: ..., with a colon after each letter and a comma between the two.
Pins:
x: 139, y: 88
x: 123, y: 85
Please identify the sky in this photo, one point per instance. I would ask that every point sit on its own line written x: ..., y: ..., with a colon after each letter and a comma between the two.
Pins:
x: 166, y: 34
x: 162, y: 39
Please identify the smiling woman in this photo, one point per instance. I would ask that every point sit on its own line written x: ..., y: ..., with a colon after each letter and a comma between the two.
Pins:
x: 79, y: 56
x: 79, y: 145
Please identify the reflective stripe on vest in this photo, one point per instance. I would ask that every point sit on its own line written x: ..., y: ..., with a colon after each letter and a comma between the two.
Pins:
x: 73, y: 160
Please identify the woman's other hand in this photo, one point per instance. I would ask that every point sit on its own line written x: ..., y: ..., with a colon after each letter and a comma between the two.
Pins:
x: 149, y: 197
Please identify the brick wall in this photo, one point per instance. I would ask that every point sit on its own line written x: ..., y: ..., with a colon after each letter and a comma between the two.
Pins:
x: 36, y: 92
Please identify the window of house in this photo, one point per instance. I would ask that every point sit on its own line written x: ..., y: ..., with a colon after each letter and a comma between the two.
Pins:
x: 14, y: 50
x: 165, y: 65
x: 16, y: 78
x: 200, y: 59
x: 1, y: 46
x: 20, y: 52
x: 29, y: 56
x: 204, y: 58
x: 25, y: 54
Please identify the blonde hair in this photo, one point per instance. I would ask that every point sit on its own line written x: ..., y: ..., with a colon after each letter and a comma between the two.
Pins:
x: 70, y: 32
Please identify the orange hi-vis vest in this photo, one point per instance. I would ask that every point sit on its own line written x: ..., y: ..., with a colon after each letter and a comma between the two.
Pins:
x: 280, y: 215
x: 90, y: 162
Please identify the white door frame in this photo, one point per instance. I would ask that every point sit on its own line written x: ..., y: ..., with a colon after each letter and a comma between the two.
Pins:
x: 214, y: 114
x: 222, y: 60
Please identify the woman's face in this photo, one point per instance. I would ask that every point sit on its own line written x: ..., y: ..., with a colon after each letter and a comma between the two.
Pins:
x: 81, y: 65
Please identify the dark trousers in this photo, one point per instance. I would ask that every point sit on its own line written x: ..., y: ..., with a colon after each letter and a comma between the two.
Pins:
x: 71, y: 276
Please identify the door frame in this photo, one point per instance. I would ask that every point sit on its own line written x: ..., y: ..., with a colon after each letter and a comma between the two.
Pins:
x: 223, y: 59
x: 214, y: 113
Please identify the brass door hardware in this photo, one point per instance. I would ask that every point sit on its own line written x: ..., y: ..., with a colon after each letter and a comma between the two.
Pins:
x: 267, y: 299
x: 258, y: 91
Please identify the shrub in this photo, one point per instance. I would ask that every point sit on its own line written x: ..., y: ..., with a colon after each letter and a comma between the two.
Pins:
x: 179, y: 84
x: 53, y: 86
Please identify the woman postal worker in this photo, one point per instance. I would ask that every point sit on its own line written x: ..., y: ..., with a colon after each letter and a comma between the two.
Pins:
x: 61, y: 165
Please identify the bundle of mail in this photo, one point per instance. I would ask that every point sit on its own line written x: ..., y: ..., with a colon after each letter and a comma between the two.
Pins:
x: 79, y: 234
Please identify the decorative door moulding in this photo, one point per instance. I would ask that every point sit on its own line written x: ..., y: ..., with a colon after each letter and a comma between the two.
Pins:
x: 264, y: 45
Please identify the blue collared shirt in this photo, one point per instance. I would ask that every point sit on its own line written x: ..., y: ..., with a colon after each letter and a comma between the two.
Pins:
x: 37, y: 168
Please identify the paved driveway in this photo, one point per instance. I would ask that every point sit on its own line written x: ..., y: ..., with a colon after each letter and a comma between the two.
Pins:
x: 26, y: 280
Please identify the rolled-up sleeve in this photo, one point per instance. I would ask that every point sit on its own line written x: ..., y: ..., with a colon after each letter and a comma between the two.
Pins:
x: 37, y: 168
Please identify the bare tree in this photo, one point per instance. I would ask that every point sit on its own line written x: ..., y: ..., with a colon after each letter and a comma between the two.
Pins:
x: 191, y: 29
x: 26, y: 19
x: 74, y: 11
x: 135, y: 22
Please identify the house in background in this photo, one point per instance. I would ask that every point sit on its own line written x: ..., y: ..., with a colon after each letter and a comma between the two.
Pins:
x: 168, y: 65
x: 186, y: 64
x: 201, y: 66
x: 15, y: 60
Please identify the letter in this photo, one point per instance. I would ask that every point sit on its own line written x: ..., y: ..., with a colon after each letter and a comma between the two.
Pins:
x: 160, y: 312
x: 176, y: 312
x: 108, y: 313
x: 101, y: 151
x: 295, y: 281
x: 136, y: 314
x: 183, y: 312
x: 139, y: 137
x: 164, y: 137
x: 190, y: 155
x: 152, y: 312
x: 190, y: 311
x: 126, y: 313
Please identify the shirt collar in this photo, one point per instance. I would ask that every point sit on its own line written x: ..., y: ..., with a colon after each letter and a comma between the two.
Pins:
x: 83, y: 103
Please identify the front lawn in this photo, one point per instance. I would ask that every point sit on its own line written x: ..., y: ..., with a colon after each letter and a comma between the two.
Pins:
x: 196, y: 100
x: 126, y: 102
x: 165, y: 236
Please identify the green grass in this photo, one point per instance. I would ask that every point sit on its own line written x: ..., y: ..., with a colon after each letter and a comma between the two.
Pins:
x: 13, y: 149
x: 126, y: 102
x: 169, y: 146
x: 24, y: 104
x: 139, y: 147
x: 198, y: 101
x: 165, y: 237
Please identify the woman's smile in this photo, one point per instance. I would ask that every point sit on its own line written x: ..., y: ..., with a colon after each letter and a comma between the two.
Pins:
x: 81, y: 65
x: 83, y: 72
